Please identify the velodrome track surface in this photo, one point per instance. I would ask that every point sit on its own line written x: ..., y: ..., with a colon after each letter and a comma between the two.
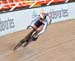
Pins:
x: 56, y: 44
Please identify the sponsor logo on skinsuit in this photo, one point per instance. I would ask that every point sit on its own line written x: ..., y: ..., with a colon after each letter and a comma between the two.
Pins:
x: 6, y: 24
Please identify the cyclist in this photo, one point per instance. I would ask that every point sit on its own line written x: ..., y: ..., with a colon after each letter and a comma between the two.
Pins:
x: 40, y: 24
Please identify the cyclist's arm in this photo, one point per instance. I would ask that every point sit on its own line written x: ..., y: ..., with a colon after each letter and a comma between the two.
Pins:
x: 49, y: 20
x: 46, y: 23
x: 44, y: 28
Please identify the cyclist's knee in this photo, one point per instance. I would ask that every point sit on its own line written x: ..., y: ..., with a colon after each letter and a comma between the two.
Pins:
x: 40, y: 28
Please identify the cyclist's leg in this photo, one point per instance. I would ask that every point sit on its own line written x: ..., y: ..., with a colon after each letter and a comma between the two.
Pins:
x: 40, y: 28
x: 35, y: 36
x: 32, y: 30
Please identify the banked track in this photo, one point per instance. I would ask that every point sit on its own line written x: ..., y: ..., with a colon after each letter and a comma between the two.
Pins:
x: 56, y: 44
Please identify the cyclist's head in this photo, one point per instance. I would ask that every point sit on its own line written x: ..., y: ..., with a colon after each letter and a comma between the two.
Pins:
x: 42, y: 15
